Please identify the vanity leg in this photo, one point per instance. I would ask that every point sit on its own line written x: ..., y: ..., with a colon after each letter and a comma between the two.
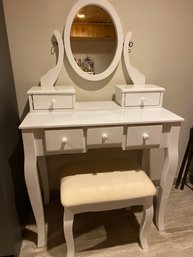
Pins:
x: 168, y: 175
x: 33, y: 185
x: 44, y: 178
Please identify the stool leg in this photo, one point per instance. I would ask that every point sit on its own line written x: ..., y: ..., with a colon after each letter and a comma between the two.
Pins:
x: 146, y: 222
x: 68, y: 233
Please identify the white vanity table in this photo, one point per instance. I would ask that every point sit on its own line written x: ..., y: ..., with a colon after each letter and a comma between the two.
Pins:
x: 57, y: 124
x: 86, y: 127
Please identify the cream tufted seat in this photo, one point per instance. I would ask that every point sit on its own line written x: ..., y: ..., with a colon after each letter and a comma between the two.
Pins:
x: 107, y: 190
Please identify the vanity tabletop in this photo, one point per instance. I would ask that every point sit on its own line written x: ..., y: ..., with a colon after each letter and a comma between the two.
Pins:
x: 97, y: 114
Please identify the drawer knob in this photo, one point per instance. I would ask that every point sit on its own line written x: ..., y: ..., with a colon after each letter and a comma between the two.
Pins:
x: 52, y: 102
x: 64, y: 140
x: 104, y: 136
x: 143, y: 99
x: 145, y: 136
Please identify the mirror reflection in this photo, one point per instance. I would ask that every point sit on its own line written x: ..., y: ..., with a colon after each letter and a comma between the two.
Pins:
x: 93, y: 39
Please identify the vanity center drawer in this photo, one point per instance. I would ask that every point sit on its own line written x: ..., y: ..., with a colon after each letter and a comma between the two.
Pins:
x: 64, y: 140
x: 143, y: 136
x: 104, y: 137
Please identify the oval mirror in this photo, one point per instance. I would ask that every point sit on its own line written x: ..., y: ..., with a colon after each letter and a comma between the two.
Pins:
x: 93, y: 39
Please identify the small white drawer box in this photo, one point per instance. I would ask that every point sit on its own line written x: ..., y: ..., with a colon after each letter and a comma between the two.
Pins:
x: 146, y: 95
x: 57, y: 98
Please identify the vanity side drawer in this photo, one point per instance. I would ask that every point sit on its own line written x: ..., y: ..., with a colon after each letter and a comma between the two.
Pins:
x: 143, y: 136
x: 65, y: 140
x: 142, y: 99
x: 52, y: 102
x: 104, y: 137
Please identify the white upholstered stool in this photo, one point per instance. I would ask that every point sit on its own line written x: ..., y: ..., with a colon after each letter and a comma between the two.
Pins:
x: 105, y: 191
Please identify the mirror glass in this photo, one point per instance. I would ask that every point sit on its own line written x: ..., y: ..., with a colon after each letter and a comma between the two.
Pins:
x: 93, y: 39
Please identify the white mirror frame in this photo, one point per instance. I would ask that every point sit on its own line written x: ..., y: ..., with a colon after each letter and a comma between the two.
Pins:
x: 118, y: 28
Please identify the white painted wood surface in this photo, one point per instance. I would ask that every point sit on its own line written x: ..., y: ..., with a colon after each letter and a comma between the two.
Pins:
x: 67, y: 140
x: 50, y: 99
x: 48, y: 80
x: 104, y: 137
x: 136, y: 76
x: 99, y: 115
x: 168, y: 174
x: 144, y: 95
x: 138, y: 136
x: 33, y: 185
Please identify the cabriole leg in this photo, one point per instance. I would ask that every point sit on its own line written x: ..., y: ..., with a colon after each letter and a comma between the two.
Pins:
x: 33, y: 186
x: 168, y: 174
x: 68, y: 232
x: 146, y: 222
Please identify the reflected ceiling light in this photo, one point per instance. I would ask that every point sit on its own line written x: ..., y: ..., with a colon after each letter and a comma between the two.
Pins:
x: 81, y: 15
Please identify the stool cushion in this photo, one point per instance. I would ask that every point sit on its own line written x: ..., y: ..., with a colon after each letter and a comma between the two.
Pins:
x: 104, y: 187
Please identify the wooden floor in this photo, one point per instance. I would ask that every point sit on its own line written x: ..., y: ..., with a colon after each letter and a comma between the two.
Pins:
x: 115, y: 233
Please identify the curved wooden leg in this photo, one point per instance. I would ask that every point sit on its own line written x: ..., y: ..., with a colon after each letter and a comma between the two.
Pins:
x: 146, y: 222
x: 68, y: 232
x: 44, y: 178
x: 168, y: 174
x: 33, y: 186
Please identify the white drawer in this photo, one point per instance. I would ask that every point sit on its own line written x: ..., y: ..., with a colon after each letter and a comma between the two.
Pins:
x: 142, y: 99
x: 104, y: 137
x: 65, y: 140
x: 52, y: 102
x: 145, y: 95
x: 143, y: 136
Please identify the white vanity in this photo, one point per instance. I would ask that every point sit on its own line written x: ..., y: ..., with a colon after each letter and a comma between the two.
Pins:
x: 57, y: 124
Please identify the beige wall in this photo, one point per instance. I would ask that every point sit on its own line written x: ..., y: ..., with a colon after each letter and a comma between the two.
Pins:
x: 163, y: 40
